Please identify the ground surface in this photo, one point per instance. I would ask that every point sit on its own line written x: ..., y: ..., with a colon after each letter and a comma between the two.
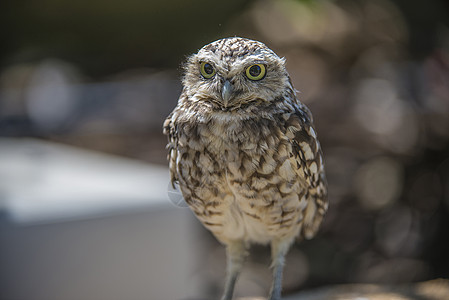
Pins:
x: 430, y: 290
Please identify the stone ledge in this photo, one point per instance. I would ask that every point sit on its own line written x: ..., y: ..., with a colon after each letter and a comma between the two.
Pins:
x: 437, y: 289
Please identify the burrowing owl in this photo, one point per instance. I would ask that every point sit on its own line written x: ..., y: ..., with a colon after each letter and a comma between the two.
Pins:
x: 245, y: 154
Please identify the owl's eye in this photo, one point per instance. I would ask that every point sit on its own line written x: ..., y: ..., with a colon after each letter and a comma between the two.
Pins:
x: 207, y: 70
x: 256, y: 72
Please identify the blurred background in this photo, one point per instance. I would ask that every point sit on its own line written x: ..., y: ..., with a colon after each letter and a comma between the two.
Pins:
x: 86, y: 85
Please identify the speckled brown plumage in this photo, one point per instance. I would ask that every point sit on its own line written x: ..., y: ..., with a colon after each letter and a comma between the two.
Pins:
x: 245, y: 154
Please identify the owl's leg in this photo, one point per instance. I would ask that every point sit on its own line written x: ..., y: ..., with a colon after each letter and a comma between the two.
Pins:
x: 236, y: 251
x: 279, y: 249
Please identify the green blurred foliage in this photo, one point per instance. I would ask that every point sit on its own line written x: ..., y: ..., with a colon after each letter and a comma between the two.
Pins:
x: 106, y: 36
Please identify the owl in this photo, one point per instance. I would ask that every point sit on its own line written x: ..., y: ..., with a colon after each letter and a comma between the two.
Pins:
x: 245, y: 154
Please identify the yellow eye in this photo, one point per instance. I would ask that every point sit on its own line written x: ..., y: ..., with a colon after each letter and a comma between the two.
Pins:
x: 207, y: 70
x: 256, y: 72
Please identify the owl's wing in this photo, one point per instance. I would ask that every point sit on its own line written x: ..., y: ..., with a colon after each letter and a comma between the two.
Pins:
x: 169, y: 130
x: 310, y: 165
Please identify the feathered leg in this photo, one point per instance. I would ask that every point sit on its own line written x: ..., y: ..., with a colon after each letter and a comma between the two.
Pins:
x: 235, y: 254
x: 279, y: 249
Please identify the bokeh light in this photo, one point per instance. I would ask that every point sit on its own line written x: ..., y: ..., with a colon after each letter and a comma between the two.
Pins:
x: 103, y: 77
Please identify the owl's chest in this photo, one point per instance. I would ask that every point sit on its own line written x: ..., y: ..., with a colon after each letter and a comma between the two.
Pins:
x: 233, y: 169
x: 218, y: 152
x: 230, y: 144
x: 230, y: 151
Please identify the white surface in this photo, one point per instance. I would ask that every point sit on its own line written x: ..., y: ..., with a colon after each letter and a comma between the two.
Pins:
x: 148, y: 255
x: 46, y: 182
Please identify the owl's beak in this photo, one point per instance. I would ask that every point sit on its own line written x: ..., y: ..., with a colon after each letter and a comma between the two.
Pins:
x: 226, y: 92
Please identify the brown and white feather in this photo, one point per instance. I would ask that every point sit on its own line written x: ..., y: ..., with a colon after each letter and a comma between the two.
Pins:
x: 254, y: 170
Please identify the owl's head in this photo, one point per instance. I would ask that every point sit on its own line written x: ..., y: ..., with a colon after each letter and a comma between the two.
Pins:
x: 232, y: 72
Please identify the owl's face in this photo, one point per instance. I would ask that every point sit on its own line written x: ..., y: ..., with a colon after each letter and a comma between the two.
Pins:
x: 231, y: 72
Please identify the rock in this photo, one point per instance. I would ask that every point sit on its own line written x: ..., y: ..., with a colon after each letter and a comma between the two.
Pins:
x: 437, y: 289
